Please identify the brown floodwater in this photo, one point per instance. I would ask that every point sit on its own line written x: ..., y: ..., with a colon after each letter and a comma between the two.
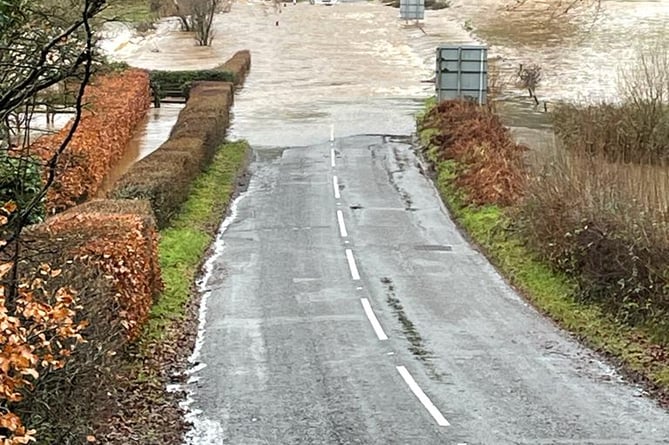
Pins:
x: 358, y: 67
x: 150, y: 133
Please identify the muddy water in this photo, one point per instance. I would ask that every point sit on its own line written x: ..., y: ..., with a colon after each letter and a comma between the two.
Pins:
x: 355, y: 65
x: 150, y: 133
x: 580, y: 57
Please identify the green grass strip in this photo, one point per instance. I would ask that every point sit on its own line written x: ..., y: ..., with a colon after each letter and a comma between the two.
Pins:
x: 550, y: 291
x: 183, y: 245
x: 131, y: 11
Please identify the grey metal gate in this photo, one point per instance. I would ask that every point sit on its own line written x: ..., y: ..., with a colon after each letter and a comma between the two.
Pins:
x: 462, y: 72
x: 412, y: 9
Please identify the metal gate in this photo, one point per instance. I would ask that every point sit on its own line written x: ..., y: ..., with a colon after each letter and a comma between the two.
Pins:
x: 412, y: 9
x: 462, y: 72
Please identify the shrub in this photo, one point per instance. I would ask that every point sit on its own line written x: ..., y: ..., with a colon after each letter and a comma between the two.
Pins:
x: 20, y: 181
x: 117, y: 103
x: 119, y: 239
x: 182, y: 81
x: 629, y: 132
x: 490, y: 164
x: 595, y: 221
x: 634, y: 130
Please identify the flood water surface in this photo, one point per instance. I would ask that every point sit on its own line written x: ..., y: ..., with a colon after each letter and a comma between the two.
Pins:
x: 358, y: 67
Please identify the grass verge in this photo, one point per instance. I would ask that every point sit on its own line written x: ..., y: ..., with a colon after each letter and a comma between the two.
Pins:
x: 184, y: 243
x: 130, y: 11
x: 549, y: 291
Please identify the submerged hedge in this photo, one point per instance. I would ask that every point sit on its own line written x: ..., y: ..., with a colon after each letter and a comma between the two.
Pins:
x: 233, y: 70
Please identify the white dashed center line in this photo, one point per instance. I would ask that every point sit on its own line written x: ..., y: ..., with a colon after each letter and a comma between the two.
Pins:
x: 342, y: 225
x: 351, y: 265
x: 422, y: 397
x: 332, y: 157
x: 335, y: 185
x: 378, y: 330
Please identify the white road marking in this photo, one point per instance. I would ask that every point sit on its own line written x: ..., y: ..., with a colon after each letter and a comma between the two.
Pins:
x: 332, y: 157
x: 422, y: 397
x: 371, y: 316
x: 351, y: 265
x: 331, y: 132
x: 342, y: 225
x: 335, y: 185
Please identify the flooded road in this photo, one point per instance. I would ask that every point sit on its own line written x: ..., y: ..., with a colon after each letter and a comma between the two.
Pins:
x: 353, y: 65
x: 340, y: 258
x: 334, y: 65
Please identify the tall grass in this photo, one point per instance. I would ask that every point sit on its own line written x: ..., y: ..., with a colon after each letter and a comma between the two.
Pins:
x: 598, y: 210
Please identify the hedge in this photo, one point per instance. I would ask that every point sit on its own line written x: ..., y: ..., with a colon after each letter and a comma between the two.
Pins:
x: 163, y: 81
x: 106, y: 251
x: 239, y: 65
x: 164, y: 177
x: 117, y: 103
x: 233, y: 70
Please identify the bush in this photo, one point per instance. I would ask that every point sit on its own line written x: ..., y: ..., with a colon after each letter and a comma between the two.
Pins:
x: 117, y: 103
x: 629, y: 132
x: 182, y: 81
x: 490, y: 164
x: 20, y: 181
x: 634, y: 130
x: 120, y: 240
x: 59, y: 406
x: 595, y: 221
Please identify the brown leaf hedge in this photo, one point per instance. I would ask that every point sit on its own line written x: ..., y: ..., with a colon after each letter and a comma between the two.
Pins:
x: 115, y: 104
x: 490, y: 162
x: 120, y: 239
x: 94, y: 266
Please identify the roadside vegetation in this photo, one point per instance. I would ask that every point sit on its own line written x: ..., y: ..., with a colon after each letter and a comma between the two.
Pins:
x: 141, y: 404
x: 584, y: 233
x: 79, y: 277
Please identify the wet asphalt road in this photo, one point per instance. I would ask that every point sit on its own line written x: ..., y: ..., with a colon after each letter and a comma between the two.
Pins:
x: 290, y: 355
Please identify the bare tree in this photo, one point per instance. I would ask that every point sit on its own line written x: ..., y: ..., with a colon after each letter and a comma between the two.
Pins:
x: 202, y: 19
x: 198, y: 16
x: 555, y: 7
x: 42, y: 44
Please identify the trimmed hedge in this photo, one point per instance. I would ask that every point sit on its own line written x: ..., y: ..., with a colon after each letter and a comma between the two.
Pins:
x: 120, y: 240
x: 233, y: 70
x: 182, y: 81
x: 107, y: 251
x: 119, y: 101
x: 164, y: 177
x: 239, y: 65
